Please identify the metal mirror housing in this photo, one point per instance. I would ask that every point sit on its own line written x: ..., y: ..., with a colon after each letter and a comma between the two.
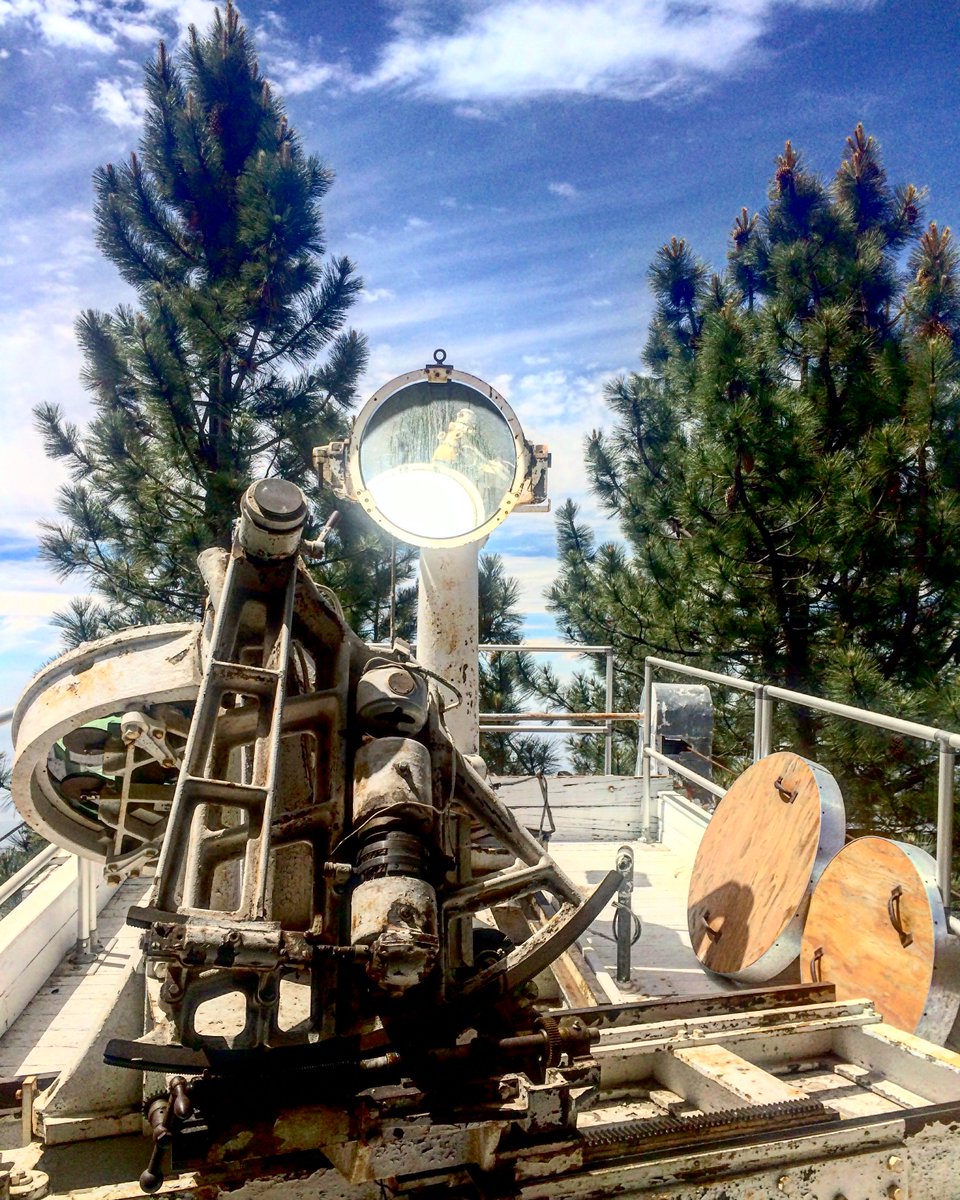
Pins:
x: 437, y: 458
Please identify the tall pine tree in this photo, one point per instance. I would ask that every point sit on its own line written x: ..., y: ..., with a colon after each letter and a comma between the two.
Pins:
x: 232, y: 364
x: 786, y: 474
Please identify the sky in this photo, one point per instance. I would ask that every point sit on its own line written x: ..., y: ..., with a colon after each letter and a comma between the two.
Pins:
x: 505, y: 172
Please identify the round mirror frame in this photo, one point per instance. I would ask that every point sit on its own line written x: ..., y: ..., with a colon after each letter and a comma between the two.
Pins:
x: 511, y: 496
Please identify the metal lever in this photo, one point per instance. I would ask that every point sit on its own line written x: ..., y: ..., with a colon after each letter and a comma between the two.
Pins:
x: 896, y: 919
x: 816, y: 966
x: 165, y: 1115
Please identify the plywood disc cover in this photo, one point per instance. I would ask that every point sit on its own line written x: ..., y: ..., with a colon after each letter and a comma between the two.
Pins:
x: 771, y: 836
x: 877, y: 928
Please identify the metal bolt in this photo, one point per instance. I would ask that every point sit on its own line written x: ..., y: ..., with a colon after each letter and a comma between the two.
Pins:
x: 783, y: 1183
x: 895, y: 1192
x: 894, y: 1162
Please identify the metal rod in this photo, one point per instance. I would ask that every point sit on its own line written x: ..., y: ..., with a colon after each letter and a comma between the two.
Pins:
x: 766, y: 723
x: 945, y: 823
x: 561, y: 716
x: 608, y: 736
x: 11, y: 886
x: 678, y: 769
x: 83, y: 907
x: 644, y: 762
x: 926, y: 733
x: 734, y: 681
x: 91, y: 903
x: 623, y: 924
x: 758, y: 697
x: 539, y: 729
x: 542, y: 648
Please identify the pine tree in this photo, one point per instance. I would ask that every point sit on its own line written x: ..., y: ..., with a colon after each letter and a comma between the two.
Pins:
x: 506, y: 676
x: 785, y: 475
x: 214, y: 376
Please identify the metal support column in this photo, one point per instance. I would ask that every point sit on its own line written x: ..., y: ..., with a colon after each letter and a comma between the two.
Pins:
x: 623, y: 922
x: 945, y: 822
x: 608, y: 735
x: 645, y: 746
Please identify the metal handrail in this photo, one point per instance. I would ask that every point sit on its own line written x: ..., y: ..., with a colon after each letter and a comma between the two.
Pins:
x: 562, y: 648
x: 764, y: 695
x: 27, y: 872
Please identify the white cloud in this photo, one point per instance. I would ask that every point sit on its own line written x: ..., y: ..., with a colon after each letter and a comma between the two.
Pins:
x: 565, y: 190
x: 417, y: 223
x: 91, y: 25
x: 121, y: 104
x: 296, y: 78
x: 372, y: 295
x: 73, y: 31
x: 518, y: 49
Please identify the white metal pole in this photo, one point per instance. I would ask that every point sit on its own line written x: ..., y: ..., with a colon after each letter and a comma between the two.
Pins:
x: 83, y: 908
x: 608, y: 736
x: 645, y: 745
x: 945, y: 823
x: 92, y: 870
x: 758, y: 697
x: 448, y: 616
x: 766, y: 724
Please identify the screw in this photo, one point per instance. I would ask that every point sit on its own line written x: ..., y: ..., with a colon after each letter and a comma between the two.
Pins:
x: 894, y: 1162
x: 783, y: 1183
x: 895, y: 1192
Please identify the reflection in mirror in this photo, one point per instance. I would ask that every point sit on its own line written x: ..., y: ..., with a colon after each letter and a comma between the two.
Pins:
x: 438, y: 459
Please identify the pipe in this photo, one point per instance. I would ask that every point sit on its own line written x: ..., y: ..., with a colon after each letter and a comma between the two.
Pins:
x: 608, y: 736
x: 645, y: 747
x: 448, y: 609
x: 945, y: 823
x: 676, y: 768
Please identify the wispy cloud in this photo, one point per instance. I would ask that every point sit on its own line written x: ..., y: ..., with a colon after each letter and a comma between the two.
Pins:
x: 565, y: 190
x: 519, y: 49
x: 122, y: 104
x: 104, y: 28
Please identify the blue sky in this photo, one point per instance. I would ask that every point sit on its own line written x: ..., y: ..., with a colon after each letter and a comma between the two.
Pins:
x: 506, y: 170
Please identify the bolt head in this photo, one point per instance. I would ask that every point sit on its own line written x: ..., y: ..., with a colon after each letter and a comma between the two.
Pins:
x: 782, y: 1183
x: 894, y: 1162
x: 895, y: 1192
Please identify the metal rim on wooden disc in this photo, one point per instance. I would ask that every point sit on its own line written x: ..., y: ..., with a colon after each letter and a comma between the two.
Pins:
x: 769, y: 840
x: 877, y: 928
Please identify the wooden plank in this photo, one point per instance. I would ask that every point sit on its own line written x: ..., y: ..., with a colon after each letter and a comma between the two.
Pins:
x: 714, y: 1078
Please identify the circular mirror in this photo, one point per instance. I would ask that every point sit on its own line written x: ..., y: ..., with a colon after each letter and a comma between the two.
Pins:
x: 437, y: 464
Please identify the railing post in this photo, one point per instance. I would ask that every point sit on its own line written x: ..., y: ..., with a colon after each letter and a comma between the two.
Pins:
x: 92, y: 904
x: 645, y: 745
x: 83, y: 910
x: 608, y: 735
x: 766, y: 723
x: 759, y: 694
x: 945, y: 823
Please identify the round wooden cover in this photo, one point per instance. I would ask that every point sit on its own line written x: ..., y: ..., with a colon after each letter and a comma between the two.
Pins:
x: 873, y: 930
x: 772, y: 834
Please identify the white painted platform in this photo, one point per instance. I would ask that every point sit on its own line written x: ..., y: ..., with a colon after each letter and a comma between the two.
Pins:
x: 47, y: 1034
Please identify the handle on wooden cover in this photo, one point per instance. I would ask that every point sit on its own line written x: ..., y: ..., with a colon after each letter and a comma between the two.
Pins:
x: 713, y: 929
x: 896, y: 920
x: 787, y: 794
x: 816, y: 966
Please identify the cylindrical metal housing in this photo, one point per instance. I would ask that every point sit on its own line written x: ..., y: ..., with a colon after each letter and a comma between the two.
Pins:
x: 272, y: 516
x: 393, y: 775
